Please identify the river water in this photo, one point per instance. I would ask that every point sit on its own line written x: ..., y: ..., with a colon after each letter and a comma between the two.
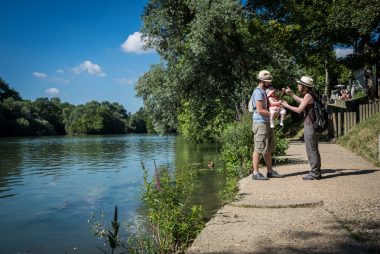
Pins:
x: 50, y: 186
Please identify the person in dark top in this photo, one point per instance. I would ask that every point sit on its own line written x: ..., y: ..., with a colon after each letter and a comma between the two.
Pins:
x: 305, y: 88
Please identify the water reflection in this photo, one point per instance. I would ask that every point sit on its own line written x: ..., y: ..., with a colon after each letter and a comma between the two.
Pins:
x: 49, y: 186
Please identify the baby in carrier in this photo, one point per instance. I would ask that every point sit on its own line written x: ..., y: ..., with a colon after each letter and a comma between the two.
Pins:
x: 275, y: 107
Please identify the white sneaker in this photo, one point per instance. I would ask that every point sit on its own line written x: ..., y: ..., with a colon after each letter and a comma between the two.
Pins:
x: 281, y: 123
x: 271, y: 125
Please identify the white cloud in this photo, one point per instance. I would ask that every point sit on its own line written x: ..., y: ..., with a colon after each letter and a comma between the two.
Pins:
x: 40, y: 75
x: 135, y: 44
x: 59, y: 71
x: 52, y: 91
x: 90, y: 68
x: 45, y: 77
x: 343, y: 52
x: 125, y: 81
x: 59, y: 80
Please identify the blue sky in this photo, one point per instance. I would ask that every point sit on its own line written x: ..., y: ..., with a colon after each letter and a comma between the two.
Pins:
x: 77, y: 50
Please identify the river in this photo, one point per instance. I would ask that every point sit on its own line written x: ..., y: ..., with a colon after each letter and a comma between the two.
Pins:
x: 50, y: 186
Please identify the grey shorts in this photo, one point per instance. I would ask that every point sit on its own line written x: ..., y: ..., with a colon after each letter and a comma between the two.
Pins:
x: 263, y: 138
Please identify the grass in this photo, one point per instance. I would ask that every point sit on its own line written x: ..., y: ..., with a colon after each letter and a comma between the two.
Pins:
x: 363, y: 139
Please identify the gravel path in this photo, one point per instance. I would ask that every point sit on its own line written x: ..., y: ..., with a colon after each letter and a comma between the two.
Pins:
x: 338, y: 214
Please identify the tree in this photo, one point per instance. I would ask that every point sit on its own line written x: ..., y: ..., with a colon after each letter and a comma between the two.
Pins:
x: 357, y: 24
x: 7, y: 92
x: 137, y: 123
x: 301, y: 27
x: 51, y: 111
x: 204, y: 63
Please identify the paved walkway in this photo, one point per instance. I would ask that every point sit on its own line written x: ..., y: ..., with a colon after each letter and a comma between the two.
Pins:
x: 338, y: 214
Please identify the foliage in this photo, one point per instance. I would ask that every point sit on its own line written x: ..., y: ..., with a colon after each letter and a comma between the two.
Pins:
x: 160, y: 102
x: 359, y: 94
x: 111, y: 236
x: 237, y: 147
x: 191, y: 128
x: 96, y: 118
x: 51, y: 116
x: 173, y: 223
x: 7, y: 92
x: 137, y: 122
x: 363, y: 139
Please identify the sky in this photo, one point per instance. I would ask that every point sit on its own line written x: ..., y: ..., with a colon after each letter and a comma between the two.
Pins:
x: 77, y: 50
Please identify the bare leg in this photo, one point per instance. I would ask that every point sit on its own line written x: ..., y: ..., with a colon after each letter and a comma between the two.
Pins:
x: 272, y: 115
x: 268, y: 161
x: 255, y: 162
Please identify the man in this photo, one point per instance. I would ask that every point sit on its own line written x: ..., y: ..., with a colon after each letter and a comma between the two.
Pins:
x: 263, y: 134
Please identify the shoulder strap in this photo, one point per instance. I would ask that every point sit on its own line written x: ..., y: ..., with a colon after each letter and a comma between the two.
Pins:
x: 264, y: 95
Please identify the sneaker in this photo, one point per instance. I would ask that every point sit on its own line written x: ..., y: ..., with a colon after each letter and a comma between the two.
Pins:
x: 281, y: 123
x: 312, y: 177
x: 259, y: 176
x: 274, y: 174
x: 272, y: 125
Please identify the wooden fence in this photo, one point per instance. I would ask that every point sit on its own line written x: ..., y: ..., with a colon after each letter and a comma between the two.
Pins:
x: 341, y: 120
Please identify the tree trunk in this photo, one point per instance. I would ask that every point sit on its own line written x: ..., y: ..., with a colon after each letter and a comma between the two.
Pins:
x: 368, y: 71
x: 327, y: 82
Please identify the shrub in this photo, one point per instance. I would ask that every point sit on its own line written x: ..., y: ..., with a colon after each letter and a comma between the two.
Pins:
x: 236, y: 152
x: 173, y: 223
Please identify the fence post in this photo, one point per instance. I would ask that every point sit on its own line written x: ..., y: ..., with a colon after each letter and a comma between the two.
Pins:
x: 334, y: 123
x: 361, y: 113
x: 339, y: 124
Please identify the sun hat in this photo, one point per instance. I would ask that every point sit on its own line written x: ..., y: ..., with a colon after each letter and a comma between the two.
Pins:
x: 306, y: 81
x: 264, y: 75
x: 270, y: 91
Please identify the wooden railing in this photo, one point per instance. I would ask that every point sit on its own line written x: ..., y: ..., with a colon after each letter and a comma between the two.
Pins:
x: 342, y: 119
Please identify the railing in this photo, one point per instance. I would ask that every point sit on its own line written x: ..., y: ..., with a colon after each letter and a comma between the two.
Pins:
x: 342, y: 119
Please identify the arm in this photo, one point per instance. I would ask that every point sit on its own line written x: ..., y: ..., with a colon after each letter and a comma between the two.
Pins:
x: 260, y: 109
x: 305, y: 101
x: 295, y: 97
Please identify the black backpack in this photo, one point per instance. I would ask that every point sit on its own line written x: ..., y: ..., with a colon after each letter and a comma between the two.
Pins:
x: 320, y: 123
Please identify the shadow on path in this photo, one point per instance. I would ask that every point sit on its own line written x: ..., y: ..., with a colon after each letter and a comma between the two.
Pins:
x: 331, y: 173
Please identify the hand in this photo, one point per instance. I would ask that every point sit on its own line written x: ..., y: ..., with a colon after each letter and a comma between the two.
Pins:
x: 288, y: 90
x: 284, y: 104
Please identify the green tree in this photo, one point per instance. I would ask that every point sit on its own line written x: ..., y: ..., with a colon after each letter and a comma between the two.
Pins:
x: 6, y: 91
x: 357, y: 24
x: 51, y: 111
x: 137, y: 122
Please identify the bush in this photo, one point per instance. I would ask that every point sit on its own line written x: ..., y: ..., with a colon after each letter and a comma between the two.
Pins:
x: 237, y: 146
x: 173, y: 223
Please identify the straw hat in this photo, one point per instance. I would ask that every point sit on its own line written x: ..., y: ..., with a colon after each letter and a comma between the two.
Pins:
x: 306, y: 81
x: 264, y: 75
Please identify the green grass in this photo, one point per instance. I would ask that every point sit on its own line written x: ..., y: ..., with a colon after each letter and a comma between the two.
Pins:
x: 363, y: 139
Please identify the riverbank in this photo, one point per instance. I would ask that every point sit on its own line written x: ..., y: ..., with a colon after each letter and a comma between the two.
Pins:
x: 339, y: 214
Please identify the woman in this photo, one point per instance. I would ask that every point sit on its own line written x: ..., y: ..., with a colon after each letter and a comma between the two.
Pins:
x: 305, y: 87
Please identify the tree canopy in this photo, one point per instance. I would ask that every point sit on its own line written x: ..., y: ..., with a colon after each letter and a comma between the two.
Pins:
x: 212, y: 50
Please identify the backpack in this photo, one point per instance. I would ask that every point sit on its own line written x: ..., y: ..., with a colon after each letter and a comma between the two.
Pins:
x: 321, y: 116
x: 251, y: 108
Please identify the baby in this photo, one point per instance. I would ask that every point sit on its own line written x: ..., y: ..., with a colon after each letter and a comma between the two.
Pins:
x: 275, y: 107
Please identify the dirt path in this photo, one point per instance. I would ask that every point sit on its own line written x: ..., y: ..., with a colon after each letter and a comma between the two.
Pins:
x: 338, y: 214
